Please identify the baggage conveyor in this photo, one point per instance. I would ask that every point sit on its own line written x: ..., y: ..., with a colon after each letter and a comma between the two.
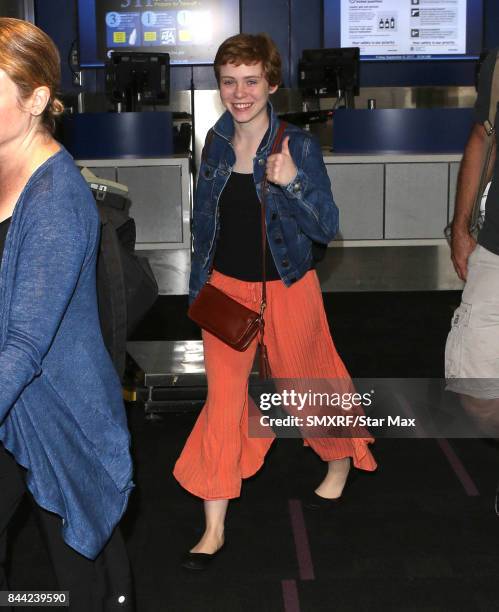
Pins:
x: 169, y: 376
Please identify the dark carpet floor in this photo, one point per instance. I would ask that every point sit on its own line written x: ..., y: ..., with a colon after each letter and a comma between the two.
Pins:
x: 419, y: 534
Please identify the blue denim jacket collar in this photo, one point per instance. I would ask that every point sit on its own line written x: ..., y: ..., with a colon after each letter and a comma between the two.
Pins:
x: 224, y: 127
x: 296, y: 214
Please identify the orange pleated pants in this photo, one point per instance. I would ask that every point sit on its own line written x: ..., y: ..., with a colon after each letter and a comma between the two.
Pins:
x: 219, y: 453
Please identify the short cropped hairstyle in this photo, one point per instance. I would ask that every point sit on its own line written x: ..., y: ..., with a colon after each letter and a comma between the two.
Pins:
x: 31, y: 60
x: 250, y: 49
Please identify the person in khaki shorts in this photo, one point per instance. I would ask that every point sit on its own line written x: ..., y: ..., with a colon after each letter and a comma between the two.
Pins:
x: 472, y: 349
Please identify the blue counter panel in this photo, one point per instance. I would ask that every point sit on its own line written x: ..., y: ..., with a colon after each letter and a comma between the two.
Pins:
x: 118, y: 135
x: 407, y: 130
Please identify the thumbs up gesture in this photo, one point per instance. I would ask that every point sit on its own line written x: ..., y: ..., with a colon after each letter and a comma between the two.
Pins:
x: 281, y: 168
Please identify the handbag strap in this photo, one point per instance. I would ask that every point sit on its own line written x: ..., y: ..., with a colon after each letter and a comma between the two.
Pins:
x: 275, y: 148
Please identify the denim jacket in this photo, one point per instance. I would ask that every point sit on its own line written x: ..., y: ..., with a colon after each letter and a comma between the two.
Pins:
x: 61, y: 411
x: 297, y: 214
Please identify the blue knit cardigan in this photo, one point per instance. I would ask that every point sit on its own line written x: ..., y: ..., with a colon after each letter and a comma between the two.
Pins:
x: 61, y: 412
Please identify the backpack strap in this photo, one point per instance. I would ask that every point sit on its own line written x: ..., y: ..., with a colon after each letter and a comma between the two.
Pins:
x: 487, y: 166
x: 489, y: 123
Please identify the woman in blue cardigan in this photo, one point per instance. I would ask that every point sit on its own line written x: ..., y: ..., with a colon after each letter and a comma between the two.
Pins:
x: 63, y: 432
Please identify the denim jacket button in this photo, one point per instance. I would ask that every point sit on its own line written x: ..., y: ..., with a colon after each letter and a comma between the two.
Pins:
x: 285, y: 263
x: 278, y: 240
x: 261, y: 161
x: 297, y: 187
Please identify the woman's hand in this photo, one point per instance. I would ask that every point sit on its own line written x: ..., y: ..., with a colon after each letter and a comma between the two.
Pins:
x: 462, y: 245
x: 281, y: 168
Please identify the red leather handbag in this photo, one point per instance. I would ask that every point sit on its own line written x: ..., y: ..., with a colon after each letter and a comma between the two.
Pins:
x: 228, y: 320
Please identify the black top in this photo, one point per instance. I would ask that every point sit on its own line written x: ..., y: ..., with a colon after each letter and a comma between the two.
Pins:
x: 239, y: 247
x: 489, y: 235
x: 4, y: 228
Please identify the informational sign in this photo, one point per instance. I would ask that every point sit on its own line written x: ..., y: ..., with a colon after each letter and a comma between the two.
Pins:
x: 404, y: 28
x: 158, y: 27
x: 189, y: 30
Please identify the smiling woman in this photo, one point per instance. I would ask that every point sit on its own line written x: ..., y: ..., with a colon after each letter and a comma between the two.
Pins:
x: 244, y: 91
x: 241, y: 166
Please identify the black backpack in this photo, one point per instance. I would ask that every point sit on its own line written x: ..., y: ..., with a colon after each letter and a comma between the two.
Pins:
x: 126, y: 286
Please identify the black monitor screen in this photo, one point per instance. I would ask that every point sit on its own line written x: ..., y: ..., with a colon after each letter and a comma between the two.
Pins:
x: 133, y: 78
x: 190, y: 32
x: 329, y: 71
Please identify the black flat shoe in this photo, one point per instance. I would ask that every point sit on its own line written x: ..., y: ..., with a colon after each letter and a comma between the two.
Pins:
x: 316, y: 502
x: 312, y: 501
x: 199, y: 561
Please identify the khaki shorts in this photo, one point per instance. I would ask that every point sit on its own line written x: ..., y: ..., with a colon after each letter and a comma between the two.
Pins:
x: 472, y: 349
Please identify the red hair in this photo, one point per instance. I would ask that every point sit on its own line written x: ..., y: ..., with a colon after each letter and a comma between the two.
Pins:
x: 30, y: 59
x: 250, y: 49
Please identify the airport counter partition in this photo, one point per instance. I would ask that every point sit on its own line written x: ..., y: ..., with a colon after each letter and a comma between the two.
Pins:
x: 394, y: 175
x: 136, y: 149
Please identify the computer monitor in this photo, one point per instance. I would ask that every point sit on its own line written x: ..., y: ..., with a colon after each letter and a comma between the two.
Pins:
x: 136, y: 79
x: 330, y: 72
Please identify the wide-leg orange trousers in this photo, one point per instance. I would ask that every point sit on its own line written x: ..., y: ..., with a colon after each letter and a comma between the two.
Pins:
x: 219, y: 452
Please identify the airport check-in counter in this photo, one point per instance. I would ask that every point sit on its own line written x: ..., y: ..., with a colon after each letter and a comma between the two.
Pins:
x: 393, y: 173
x: 402, y: 199
x: 136, y: 149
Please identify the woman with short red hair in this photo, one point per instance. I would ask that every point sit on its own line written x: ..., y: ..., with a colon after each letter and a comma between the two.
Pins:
x: 228, y: 251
